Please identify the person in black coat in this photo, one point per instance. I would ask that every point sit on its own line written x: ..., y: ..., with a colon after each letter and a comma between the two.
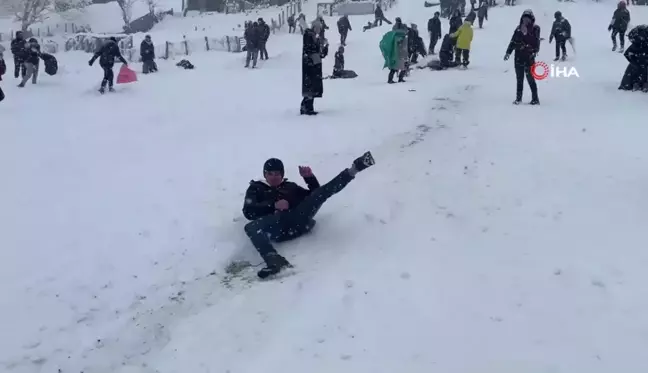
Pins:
x: 106, y: 55
x: 561, y: 31
x: 379, y: 17
x: 31, y: 56
x: 619, y: 24
x: 344, y: 26
x: 252, y: 37
x: 636, y: 74
x: 147, y: 53
x: 280, y: 210
x: 526, y: 44
x: 264, y: 33
x: 3, y: 70
x: 313, y: 51
x: 434, y: 30
x: 455, y: 21
x: 18, y: 51
x: 482, y: 13
x: 415, y: 44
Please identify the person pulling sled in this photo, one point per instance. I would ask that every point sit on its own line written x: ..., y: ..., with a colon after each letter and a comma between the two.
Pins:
x: 107, y: 54
x: 561, y: 31
x: 280, y: 210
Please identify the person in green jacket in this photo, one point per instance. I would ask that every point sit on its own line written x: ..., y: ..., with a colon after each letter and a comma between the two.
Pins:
x: 464, y: 36
x: 394, y: 50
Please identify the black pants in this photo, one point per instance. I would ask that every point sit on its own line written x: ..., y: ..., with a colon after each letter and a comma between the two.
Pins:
x: 263, y: 50
x: 308, y: 105
x: 481, y: 21
x: 149, y: 66
x: 108, y: 77
x: 621, y: 34
x: 291, y: 29
x: 401, y: 75
x: 462, y: 56
x: 2, y: 95
x: 413, y: 57
x: 19, y: 68
x: 522, y: 70
x: 343, y: 36
x: 286, y: 225
x: 433, y: 43
x: 378, y: 22
x: 560, y: 46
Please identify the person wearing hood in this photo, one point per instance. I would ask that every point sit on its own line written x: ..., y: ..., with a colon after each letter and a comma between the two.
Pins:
x: 147, y: 53
x: 280, y: 210
x: 344, y: 26
x: 393, y: 47
x: 379, y: 17
x: 446, y: 56
x: 18, y: 51
x: 525, y: 42
x: 313, y: 51
x: 338, y: 67
x: 292, y: 24
x: 32, y: 61
x: 619, y: 25
x: 455, y: 21
x: 320, y: 27
x: 264, y: 33
x: 106, y: 55
x: 301, y: 22
x: 561, y: 31
x: 464, y: 36
x: 399, y: 25
x: 636, y: 74
x: 434, y: 30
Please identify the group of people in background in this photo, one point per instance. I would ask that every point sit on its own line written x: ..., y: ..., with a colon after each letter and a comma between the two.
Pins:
x: 256, y: 37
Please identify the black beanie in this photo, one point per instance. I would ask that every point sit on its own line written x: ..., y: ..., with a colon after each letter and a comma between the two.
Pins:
x: 273, y: 164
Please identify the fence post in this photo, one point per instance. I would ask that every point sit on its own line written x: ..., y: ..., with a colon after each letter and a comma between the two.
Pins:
x: 207, y: 42
x: 229, y: 47
x: 186, y: 47
x: 166, y: 51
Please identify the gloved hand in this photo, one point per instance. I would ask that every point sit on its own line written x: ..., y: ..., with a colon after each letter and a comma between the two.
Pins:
x: 610, y: 28
x: 90, y: 62
x: 506, y: 57
x: 550, y: 39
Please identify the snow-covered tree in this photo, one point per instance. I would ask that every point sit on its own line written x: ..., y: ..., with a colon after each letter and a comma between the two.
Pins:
x: 126, y: 7
x: 28, y: 12
x: 62, y: 6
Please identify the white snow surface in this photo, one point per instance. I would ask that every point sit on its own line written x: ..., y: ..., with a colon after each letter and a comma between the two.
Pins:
x: 488, y: 237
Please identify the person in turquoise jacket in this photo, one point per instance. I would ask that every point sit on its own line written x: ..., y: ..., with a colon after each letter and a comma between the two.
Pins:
x: 394, y: 50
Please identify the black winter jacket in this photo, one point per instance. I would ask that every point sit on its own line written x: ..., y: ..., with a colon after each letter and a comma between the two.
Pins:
x: 107, y: 54
x: 32, y: 53
x: 252, y: 37
x: 264, y: 30
x: 261, y: 197
x: 526, y: 46
x: 147, y: 51
x: 344, y: 25
x: 434, y: 28
x: 620, y: 19
x: 18, y: 49
x: 379, y: 13
x: 561, y: 29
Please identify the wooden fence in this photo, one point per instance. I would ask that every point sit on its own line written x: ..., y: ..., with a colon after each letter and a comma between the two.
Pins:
x: 45, y: 31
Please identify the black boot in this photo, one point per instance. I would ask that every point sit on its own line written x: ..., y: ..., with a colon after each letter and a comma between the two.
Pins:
x: 390, y: 77
x: 363, y: 162
x: 274, y: 264
x: 401, y: 76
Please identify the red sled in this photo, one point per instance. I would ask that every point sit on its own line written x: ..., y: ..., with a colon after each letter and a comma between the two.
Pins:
x: 126, y: 75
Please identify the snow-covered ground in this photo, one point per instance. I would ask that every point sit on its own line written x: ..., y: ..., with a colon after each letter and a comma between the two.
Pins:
x: 488, y: 238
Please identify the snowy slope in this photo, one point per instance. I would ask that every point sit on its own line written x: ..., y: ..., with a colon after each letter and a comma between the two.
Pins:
x: 489, y: 238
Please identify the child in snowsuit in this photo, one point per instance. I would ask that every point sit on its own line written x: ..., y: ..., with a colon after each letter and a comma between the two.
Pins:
x: 32, y: 61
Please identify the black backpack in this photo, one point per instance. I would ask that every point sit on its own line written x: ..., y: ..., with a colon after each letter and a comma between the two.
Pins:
x: 51, y: 65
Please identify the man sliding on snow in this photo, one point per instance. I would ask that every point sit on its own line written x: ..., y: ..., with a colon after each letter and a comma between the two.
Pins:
x: 281, y: 210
